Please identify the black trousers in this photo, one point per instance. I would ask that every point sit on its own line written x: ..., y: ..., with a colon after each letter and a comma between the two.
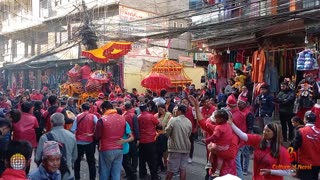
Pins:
x: 127, y: 166
x: 310, y: 174
x: 191, y: 138
x: 162, y: 147
x: 133, y: 155
x: 89, y: 150
x: 148, y: 154
x: 285, y: 119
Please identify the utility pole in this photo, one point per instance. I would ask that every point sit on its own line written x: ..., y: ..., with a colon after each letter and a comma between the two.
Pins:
x: 88, y: 35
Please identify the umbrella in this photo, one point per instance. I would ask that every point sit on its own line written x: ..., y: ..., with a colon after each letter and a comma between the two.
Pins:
x: 99, y: 76
x: 156, y: 81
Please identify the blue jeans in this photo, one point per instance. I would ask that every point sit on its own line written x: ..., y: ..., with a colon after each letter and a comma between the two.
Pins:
x: 84, y: 82
x: 110, y: 163
x: 238, y: 163
x: 245, y: 158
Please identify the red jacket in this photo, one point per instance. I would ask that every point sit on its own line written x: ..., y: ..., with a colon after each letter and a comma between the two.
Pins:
x: 25, y: 129
x: 310, y: 147
x: 5, y: 105
x: 228, y: 156
x: 94, y: 110
x: 190, y: 116
x: 85, y: 72
x: 128, y: 115
x: 36, y: 97
x: 99, y: 102
x: 85, y: 125
x: 147, y: 127
x: 12, y: 174
x: 207, y: 112
x: 316, y: 110
x: 229, y: 165
x: 51, y: 110
x: 239, y: 119
x: 112, y: 127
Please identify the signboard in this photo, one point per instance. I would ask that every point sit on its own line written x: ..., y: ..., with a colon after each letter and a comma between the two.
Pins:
x: 186, y: 60
x: 201, y: 56
x: 127, y: 15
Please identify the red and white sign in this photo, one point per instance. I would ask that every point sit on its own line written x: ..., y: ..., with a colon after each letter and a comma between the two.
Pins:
x: 186, y: 60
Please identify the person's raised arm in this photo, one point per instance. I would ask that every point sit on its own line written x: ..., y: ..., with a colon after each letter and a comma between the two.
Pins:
x: 195, y: 104
x: 243, y: 136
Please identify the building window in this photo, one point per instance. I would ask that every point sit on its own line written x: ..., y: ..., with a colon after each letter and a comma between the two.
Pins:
x: 175, y: 24
x: 57, y: 2
x: 181, y: 25
x: 14, y: 48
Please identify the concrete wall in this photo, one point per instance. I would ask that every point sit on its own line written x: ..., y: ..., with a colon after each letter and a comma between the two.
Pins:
x: 158, y: 6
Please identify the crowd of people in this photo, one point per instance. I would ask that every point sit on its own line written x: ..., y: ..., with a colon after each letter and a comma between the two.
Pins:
x: 132, y: 131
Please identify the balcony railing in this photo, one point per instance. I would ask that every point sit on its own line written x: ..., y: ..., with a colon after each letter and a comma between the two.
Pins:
x: 235, y: 9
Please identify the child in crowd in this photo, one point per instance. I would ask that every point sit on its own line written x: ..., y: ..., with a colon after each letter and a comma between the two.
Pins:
x: 297, y: 123
x: 221, y: 96
x: 220, y: 136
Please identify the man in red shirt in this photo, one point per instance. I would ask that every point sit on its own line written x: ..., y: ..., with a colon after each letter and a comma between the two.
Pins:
x: 240, y: 121
x: 85, y: 74
x: 207, y: 108
x: 307, y: 143
x: 109, y: 131
x: 189, y: 114
x: 84, y: 127
x: 25, y: 128
x: 147, y: 143
x: 36, y: 96
x: 132, y: 120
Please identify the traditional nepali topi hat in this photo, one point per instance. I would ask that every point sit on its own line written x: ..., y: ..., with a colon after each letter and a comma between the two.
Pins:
x: 51, y: 148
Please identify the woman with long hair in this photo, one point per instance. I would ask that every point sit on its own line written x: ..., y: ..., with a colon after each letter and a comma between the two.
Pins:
x: 38, y: 112
x: 163, y: 116
x: 271, y: 158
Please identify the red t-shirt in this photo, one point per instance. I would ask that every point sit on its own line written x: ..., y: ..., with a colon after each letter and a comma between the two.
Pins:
x: 207, y: 112
x: 37, y: 97
x: 147, y: 127
x: 263, y: 159
x: 25, y: 129
x: 85, y: 72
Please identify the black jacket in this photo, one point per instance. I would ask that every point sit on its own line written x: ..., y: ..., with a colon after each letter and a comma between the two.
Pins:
x: 286, y: 99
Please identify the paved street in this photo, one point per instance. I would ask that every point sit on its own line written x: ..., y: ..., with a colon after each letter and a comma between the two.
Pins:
x: 195, y: 171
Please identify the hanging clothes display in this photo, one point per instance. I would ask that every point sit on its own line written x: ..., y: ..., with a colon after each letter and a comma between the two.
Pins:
x: 271, y: 77
x: 306, y: 61
x: 230, y: 70
x: 212, y: 72
x: 258, y: 66
x: 241, y: 57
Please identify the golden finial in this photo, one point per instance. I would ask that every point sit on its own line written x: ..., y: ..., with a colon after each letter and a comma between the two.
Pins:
x: 165, y: 56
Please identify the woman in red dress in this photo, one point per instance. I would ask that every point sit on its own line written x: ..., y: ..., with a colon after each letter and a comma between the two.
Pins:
x: 271, y: 158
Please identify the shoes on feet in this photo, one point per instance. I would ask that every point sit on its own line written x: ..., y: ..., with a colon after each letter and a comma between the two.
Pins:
x: 189, y: 160
x: 208, y: 166
x: 245, y: 173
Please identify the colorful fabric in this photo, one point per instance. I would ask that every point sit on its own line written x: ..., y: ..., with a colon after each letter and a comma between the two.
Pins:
x: 258, y: 66
x: 306, y: 61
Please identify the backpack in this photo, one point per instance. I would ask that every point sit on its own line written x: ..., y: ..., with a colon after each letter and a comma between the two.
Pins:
x: 63, y: 162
